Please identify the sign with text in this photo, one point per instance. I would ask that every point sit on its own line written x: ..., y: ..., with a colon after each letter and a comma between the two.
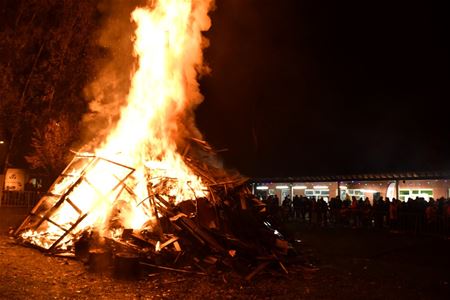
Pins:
x: 15, y: 179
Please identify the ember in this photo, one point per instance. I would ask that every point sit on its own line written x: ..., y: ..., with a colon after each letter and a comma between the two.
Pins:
x: 137, y: 197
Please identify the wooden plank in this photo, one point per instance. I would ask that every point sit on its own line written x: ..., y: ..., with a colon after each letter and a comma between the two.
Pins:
x: 74, y: 206
x: 171, y: 269
x: 67, y: 232
x: 261, y: 266
x: 203, y: 234
x: 168, y: 242
x: 283, y: 267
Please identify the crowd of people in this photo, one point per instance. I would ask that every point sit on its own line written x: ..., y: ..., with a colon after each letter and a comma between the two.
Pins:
x: 415, y: 215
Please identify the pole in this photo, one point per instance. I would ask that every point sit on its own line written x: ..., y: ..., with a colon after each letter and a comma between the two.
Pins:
x: 396, y: 189
x: 338, y: 189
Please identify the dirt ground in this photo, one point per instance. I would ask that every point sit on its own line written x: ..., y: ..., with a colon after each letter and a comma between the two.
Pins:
x: 351, y: 264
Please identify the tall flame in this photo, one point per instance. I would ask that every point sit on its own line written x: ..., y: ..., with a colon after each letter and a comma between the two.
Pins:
x: 164, y: 90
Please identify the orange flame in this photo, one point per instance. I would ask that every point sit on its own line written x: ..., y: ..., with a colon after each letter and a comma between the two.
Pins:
x: 164, y: 90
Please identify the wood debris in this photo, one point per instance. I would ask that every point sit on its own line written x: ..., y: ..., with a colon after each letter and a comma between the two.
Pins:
x: 226, y: 230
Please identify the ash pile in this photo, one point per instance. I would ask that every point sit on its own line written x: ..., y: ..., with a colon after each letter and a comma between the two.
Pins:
x: 225, y: 230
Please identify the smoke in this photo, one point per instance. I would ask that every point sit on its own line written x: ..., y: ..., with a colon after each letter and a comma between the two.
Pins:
x: 107, y: 93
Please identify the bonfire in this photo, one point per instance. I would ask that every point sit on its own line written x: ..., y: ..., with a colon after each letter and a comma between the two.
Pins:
x: 153, y: 188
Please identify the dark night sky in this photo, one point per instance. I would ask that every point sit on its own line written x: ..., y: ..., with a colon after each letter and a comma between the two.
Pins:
x: 328, y: 87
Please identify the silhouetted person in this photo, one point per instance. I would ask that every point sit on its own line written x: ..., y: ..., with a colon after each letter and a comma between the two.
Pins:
x: 296, y: 202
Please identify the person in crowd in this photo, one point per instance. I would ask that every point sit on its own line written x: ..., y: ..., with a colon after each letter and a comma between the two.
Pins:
x: 440, y: 214
x: 446, y: 217
x: 431, y: 215
x: 335, y: 206
x: 366, y: 213
x: 272, y: 205
x: 354, y: 212
x: 322, y: 212
x: 393, y: 214
x: 286, y: 207
x: 29, y: 186
x: 378, y: 208
x: 386, y: 204
x: 344, y: 213
x: 312, y: 210
x: 421, y: 207
x: 305, y: 208
x: 401, y: 215
x: 296, y: 203
x: 276, y: 202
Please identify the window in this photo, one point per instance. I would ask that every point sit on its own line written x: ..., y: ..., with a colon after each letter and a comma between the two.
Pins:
x: 427, y: 192
x: 355, y: 192
x: 317, y: 193
x: 404, y: 194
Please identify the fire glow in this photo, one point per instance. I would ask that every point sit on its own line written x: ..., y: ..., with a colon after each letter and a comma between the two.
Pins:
x: 142, y: 148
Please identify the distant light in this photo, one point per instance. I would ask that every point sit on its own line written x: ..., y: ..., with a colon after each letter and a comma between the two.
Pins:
x: 262, y: 187
x: 2, y: 142
x: 317, y: 187
x: 281, y: 187
x: 342, y: 187
x: 369, y: 191
x: 299, y: 187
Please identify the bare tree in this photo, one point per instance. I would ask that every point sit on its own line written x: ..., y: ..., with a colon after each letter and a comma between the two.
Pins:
x: 47, y: 54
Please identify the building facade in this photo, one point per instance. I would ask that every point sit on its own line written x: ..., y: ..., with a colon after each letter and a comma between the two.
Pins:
x: 391, y: 185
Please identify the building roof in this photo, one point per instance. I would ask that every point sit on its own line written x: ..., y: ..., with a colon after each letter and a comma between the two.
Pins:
x: 360, y: 177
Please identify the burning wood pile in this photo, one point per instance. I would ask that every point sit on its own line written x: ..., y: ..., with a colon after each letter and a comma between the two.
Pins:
x: 227, y: 228
x: 146, y: 194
